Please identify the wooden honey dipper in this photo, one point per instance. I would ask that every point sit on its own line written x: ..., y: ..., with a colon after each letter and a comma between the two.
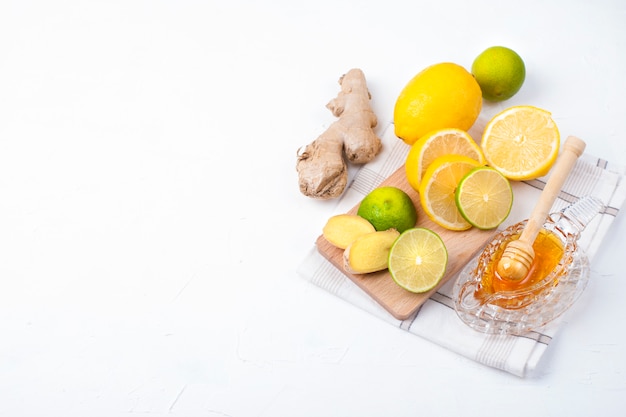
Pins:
x: 518, y: 255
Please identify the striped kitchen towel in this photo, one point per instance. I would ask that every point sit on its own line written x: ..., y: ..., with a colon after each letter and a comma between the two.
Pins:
x: 436, y: 320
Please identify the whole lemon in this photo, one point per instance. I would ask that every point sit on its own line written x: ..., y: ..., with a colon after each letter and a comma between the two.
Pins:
x: 500, y: 72
x: 443, y: 95
x: 388, y: 207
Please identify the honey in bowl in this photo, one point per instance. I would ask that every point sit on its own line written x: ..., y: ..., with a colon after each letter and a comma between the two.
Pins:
x: 557, y: 277
x: 548, y: 253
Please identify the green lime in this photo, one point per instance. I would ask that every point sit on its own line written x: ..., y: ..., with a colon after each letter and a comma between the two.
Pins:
x: 388, y: 208
x: 418, y: 260
x: 500, y: 72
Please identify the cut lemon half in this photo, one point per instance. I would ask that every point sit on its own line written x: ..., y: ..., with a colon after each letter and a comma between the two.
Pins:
x: 438, y: 187
x: 522, y: 142
x: 435, y: 144
x: 484, y: 198
x: 418, y: 260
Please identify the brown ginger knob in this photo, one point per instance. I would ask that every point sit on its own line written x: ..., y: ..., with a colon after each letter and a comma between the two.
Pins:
x: 518, y: 255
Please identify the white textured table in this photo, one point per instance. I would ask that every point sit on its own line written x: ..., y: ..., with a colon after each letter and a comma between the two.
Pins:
x: 147, y: 157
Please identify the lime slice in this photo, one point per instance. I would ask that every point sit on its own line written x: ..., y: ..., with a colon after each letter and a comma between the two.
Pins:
x: 484, y: 198
x: 418, y: 260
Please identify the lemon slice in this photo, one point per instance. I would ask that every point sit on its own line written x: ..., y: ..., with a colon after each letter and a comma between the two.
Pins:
x: 435, y: 144
x: 418, y: 260
x: 438, y: 188
x: 522, y: 142
x: 484, y: 198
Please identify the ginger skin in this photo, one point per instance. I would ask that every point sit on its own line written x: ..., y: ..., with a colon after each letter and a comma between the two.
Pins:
x: 321, y: 166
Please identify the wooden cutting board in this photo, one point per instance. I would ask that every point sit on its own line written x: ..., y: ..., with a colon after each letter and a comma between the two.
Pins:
x: 462, y: 246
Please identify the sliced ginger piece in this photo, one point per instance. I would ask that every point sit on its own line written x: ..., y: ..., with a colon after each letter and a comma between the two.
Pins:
x: 370, y: 252
x: 342, y: 229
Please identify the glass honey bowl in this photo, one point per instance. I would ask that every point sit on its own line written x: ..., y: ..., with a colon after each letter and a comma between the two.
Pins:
x: 557, y: 277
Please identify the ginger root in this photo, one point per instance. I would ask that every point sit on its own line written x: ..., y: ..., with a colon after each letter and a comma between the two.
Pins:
x: 321, y: 166
x: 370, y: 252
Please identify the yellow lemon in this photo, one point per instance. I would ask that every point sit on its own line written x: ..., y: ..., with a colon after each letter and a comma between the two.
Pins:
x: 522, y: 142
x: 435, y: 144
x: 438, y: 189
x: 441, y: 96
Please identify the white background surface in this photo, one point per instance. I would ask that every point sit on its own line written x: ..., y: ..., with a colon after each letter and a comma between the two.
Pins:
x: 151, y: 223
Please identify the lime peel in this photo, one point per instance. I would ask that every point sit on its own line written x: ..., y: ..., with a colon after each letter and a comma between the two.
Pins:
x: 388, y: 207
x: 500, y: 72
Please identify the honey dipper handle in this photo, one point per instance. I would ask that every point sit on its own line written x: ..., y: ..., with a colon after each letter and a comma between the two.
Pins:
x: 572, y: 149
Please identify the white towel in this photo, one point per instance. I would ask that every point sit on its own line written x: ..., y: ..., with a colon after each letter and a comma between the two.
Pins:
x: 436, y: 320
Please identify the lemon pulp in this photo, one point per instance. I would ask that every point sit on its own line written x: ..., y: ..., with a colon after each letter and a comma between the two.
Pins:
x: 435, y: 144
x: 522, y: 142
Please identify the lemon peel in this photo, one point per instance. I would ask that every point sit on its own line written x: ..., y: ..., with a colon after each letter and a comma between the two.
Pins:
x: 440, y: 96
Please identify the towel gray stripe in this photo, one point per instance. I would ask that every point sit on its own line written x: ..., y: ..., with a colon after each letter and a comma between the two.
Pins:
x: 397, y: 155
x: 367, y: 180
x: 495, y: 350
x: 326, y: 277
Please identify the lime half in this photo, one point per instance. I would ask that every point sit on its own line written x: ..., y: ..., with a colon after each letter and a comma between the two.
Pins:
x: 418, y: 260
x: 484, y: 198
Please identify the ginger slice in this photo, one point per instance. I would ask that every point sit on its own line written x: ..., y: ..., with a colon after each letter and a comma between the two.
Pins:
x: 370, y: 252
x: 321, y: 166
x: 342, y: 229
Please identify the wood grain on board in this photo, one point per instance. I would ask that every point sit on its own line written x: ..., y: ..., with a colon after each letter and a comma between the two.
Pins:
x: 461, y: 246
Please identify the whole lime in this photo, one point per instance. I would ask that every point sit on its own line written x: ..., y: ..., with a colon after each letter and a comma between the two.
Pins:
x: 388, y: 208
x: 500, y: 72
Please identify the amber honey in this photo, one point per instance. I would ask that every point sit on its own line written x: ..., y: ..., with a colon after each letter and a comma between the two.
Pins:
x: 548, y: 253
